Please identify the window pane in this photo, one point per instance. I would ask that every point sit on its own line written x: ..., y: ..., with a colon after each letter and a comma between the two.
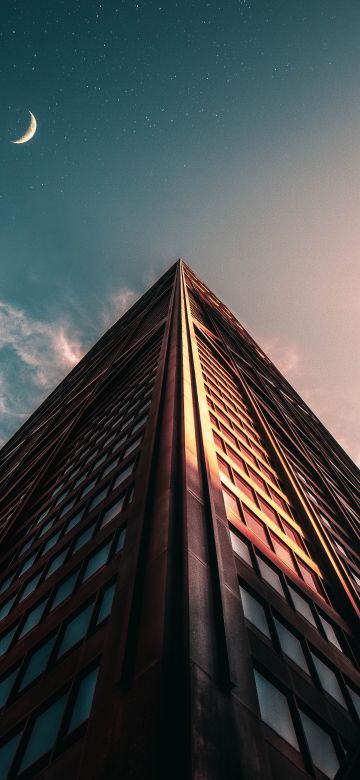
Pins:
x: 6, y: 607
x: 113, y: 511
x: 231, y: 504
x: 64, y: 590
x: 67, y: 508
x: 98, y: 559
x: 30, y: 587
x: 328, y: 680
x: 302, y: 606
x: 254, y: 612
x: 5, y: 640
x: 330, y: 633
x: 256, y: 525
x: 33, y: 618
x: 83, y: 701
x: 270, y: 576
x: 57, y: 562
x: 7, y: 753
x: 83, y: 538
x: 43, y: 733
x: 88, y: 487
x: 75, y: 630
x: 274, y: 710
x: 240, y: 548
x: 51, y: 542
x: 355, y: 699
x: 74, y: 520
x: 99, y: 496
x: 120, y: 540
x: 321, y: 747
x: 106, y: 603
x: 291, y: 646
x: 37, y: 663
x: 124, y: 474
x: 29, y: 562
x: 6, y: 685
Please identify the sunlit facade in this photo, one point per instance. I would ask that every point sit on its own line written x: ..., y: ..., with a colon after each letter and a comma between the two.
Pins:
x: 180, y: 576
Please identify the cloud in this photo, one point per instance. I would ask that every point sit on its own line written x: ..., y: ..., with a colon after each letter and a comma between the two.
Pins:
x: 35, y: 356
x: 120, y: 301
x: 285, y: 355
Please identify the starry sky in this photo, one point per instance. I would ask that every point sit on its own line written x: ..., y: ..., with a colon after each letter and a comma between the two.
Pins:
x: 224, y: 133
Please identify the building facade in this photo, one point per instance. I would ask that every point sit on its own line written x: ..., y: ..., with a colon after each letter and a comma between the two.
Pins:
x: 180, y: 576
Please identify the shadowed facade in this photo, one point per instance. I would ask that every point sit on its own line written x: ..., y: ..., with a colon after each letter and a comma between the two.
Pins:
x: 179, y: 558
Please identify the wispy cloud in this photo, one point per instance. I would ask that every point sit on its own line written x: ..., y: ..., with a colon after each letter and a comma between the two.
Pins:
x: 35, y: 356
x: 120, y: 301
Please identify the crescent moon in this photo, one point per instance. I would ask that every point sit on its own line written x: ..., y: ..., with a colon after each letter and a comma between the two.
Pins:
x: 29, y: 133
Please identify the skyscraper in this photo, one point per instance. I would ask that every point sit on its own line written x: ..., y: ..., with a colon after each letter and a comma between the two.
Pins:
x: 179, y: 563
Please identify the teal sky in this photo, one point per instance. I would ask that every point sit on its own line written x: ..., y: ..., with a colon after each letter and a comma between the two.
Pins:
x: 223, y: 133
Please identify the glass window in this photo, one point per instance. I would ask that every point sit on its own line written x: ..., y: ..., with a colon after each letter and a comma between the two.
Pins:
x: 330, y: 632
x: 254, y: 612
x: 64, y: 590
x: 27, y: 564
x: 74, y: 520
x: 302, y: 606
x: 83, y: 700
x: 30, y: 586
x: 44, y: 732
x: 240, y: 548
x: 132, y: 446
x: 7, y: 753
x: 33, y: 618
x: 26, y: 546
x: 6, y: 606
x: 46, y: 527
x: 321, y: 747
x: 99, y: 461
x: 6, y: 583
x: 99, y: 497
x: 139, y: 424
x: 110, y: 466
x: 113, y: 510
x: 328, y: 680
x: 256, y: 525
x: 6, y: 685
x: 75, y: 629
x: 61, y: 497
x: 84, y: 537
x: 67, y: 507
x: 355, y: 698
x: 57, y: 562
x: 124, y: 474
x: 106, y: 603
x: 97, y: 560
x: 291, y: 646
x: 275, y: 710
x: 88, y: 487
x: 282, y: 552
x: 5, y: 640
x: 119, y: 443
x: 81, y: 479
x: 231, y: 504
x: 270, y: 576
x: 37, y: 663
x: 120, y: 541
x: 51, y: 542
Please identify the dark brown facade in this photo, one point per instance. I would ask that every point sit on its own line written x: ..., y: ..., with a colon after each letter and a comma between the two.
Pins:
x: 179, y: 593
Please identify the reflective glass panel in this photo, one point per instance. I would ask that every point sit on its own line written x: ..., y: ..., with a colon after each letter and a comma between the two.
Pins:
x: 274, y: 710
x: 43, y: 733
x: 254, y: 612
x: 37, y: 663
x: 321, y: 747
x: 83, y: 700
x: 291, y: 646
